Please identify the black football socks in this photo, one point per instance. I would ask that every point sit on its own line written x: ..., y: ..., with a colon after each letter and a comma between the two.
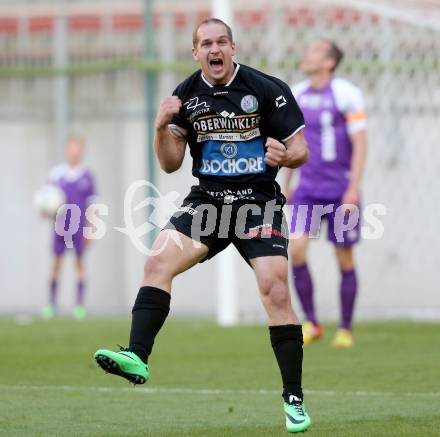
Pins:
x: 287, y: 344
x: 149, y: 312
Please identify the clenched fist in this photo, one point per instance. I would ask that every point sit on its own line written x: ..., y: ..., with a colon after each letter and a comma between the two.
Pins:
x: 275, y: 152
x: 169, y: 107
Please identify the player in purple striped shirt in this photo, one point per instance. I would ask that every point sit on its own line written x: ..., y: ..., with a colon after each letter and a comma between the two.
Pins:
x: 79, y: 188
x: 335, y: 118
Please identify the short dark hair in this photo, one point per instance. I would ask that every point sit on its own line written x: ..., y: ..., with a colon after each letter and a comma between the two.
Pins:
x: 334, y: 52
x: 208, y: 21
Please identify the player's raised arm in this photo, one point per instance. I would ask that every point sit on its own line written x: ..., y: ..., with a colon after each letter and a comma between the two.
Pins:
x: 169, y: 139
x: 286, y: 145
x: 292, y: 154
x: 297, y: 151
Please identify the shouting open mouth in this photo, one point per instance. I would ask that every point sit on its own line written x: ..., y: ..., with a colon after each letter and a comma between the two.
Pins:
x: 216, y: 65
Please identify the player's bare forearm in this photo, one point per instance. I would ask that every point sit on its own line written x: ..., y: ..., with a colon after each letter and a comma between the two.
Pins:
x: 359, y: 141
x: 292, y: 154
x: 170, y: 150
x: 169, y: 146
x: 297, y: 151
x: 352, y: 194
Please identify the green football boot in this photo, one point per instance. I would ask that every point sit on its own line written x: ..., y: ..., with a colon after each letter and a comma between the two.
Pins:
x: 48, y: 312
x: 79, y: 312
x: 123, y: 363
x: 297, y: 419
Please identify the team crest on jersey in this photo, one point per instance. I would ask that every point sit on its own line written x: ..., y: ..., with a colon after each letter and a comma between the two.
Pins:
x: 229, y: 150
x: 249, y: 103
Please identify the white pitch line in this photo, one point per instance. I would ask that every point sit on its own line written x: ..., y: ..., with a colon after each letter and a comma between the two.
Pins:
x: 206, y: 391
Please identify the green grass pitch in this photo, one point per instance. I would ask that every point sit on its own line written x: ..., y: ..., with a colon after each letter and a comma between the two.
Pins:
x: 207, y: 381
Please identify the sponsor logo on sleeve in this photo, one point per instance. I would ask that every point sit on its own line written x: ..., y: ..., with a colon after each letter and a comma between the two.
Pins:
x: 280, y: 101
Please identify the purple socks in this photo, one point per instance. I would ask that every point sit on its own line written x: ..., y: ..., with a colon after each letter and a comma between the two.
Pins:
x: 304, y: 288
x: 53, y: 292
x: 348, y: 296
x: 80, y: 293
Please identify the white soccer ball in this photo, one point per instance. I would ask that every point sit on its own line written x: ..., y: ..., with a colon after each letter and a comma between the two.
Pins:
x: 49, y: 199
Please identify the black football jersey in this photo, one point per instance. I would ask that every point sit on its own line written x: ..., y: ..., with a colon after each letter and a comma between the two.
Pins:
x: 228, y: 124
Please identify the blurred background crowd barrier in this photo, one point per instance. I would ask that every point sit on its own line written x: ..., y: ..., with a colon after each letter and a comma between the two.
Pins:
x: 94, y: 68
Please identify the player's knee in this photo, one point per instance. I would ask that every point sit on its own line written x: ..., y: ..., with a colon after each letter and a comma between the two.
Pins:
x: 56, y: 269
x: 276, y: 291
x: 345, y: 259
x: 298, y: 255
x: 298, y: 250
x: 156, y: 267
x: 279, y: 295
x: 346, y: 265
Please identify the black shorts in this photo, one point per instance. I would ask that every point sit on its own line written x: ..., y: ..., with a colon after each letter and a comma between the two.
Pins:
x: 251, y: 220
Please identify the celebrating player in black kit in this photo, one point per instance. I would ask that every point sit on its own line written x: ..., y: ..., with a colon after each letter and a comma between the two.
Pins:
x: 241, y: 126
